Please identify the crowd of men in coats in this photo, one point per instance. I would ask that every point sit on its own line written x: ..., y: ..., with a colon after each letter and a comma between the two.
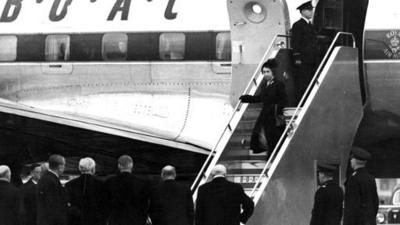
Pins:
x: 124, y: 199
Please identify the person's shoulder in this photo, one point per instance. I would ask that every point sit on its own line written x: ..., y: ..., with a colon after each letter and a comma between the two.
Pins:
x: 140, y: 179
x: 28, y: 184
x: 182, y: 187
x: 206, y: 186
x: 46, y: 178
x: 111, y: 179
x: 299, y: 22
x: 71, y: 183
x: 233, y: 185
x: 9, y: 189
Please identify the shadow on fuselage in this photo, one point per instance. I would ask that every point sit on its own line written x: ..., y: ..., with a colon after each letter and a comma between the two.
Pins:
x: 379, y: 133
x: 26, y: 140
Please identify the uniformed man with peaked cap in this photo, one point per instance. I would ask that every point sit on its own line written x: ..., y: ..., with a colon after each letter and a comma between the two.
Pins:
x: 305, y: 50
x: 305, y: 5
x: 361, y: 198
x: 328, y: 201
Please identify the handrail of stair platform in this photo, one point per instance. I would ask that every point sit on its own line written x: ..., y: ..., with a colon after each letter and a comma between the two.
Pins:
x: 238, y: 108
x: 290, y: 126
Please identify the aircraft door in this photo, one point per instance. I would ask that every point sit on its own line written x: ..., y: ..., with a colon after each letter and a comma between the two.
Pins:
x: 253, y: 24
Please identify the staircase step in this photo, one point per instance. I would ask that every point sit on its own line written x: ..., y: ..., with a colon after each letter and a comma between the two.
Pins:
x: 245, y: 164
x: 238, y: 138
x: 244, y: 157
x: 243, y: 132
x: 245, y: 170
x: 246, y: 125
x: 246, y: 180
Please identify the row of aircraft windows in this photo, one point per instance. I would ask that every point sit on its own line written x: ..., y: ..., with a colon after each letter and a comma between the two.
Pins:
x: 116, y: 47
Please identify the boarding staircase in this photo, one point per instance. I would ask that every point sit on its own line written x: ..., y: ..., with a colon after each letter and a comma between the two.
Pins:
x: 243, y: 166
x: 254, y: 173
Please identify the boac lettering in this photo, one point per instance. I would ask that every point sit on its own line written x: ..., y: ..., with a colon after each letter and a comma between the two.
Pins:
x: 168, y: 11
x: 17, y: 8
x: 53, y: 12
x: 120, y: 5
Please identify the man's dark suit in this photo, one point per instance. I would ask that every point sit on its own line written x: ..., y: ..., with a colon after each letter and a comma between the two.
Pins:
x: 328, y: 205
x: 305, y: 49
x: 9, y: 204
x: 29, y: 203
x: 86, y: 201
x: 51, y: 201
x: 271, y: 95
x: 128, y: 198
x: 219, y: 202
x: 361, y: 199
x: 171, y: 204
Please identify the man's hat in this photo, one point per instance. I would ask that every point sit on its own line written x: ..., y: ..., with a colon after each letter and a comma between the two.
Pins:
x: 306, y: 5
x: 360, y: 154
x: 327, y: 168
x: 33, y: 166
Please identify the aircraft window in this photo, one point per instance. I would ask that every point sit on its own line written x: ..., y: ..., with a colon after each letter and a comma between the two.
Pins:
x: 195, y: 39
x: 143, y: 46
x: 8, y: 48
x: 172, y: 46
x: 223, y: 46
x: 57, y: 47
x: 30, y: 47
x: 115, y: 46
x: 86, y: 47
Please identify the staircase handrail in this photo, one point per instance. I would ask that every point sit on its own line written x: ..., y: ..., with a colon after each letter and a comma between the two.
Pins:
x: 252, y: 83
x: 290, y: 125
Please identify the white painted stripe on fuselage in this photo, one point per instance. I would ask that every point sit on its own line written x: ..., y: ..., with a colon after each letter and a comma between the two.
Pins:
x: 94, y: 16
x: 382, y: 15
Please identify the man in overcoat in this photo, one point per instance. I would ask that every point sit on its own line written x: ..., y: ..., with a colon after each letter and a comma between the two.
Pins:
x: 328, y: 201
x: 221, y: 202
x: 86, y: 196
x: 51, y: 199
x: 361, y: 198
x: 127, y: 196
x: 29, y: 196
x: 9, y: 199
x: 171, y: 203
x: 305, y: 49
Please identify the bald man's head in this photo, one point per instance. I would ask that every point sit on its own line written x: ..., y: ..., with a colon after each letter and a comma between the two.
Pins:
x: 87, y: 165
x: 219, y: 170
x: 125, y: 163
x: 5, y: 173
x: 168, y: 173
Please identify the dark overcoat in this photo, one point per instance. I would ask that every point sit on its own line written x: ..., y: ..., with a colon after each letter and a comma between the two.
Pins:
x: 220, y: 202
x: 85, y: 201
x: 9, y: 204
x: 361, y: 199
x: 127, y: 199
x: 273, y: 95
x: 51, y: 201
x: 328, y: 205
x: 305, y: 49
x: 29, y: 203
x: 304, y: 42
x: 171, y: 204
